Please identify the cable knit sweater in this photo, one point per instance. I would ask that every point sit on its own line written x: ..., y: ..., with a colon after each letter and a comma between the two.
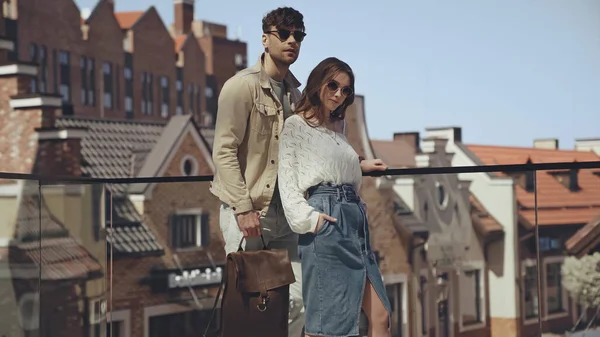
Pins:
x: 309, y: 156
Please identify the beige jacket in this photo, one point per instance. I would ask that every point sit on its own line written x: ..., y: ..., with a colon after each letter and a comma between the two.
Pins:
x: 246, y: 146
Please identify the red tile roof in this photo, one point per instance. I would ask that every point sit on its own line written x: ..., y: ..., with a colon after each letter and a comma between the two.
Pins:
x: 61, y: 259
x: 557, y: 205
x: 128, y: 19
x: 48, y: 245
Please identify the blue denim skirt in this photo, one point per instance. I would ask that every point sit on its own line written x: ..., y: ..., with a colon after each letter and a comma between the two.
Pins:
x: 336, y: 262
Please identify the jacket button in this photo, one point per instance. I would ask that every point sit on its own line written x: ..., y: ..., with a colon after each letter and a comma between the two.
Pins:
x: 233, y: 208
x: 268, y: 186
x: 272, y: 161
x: 276, y: 137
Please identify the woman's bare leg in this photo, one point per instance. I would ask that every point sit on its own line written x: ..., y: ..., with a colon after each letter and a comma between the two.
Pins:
x: 376, y: 313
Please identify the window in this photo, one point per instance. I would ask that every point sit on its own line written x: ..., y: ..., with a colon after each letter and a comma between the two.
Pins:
x: 150, y: 94
x: 55, y: 70
x: 189, y: 166
x: 208, y: 92
x: 530, y: 285
x: 164, y: 107
x: 394, y: 293
x: 128, y: 104
x: 33, y: 56
x: 84, y: 80
x: 65, y: 76
x: 239, y: 60
x: 128, y: 75
x: 191, y: 99
x: 554, y: 290
x: 108, y: 84
x: 147, y: 93
x: 91, y: 68
x: 43, y: 74
x: 179, y: 89
x: 189, y: 230
x: 470, y: 297
x: 197, y: 93
x: 183, y: 324
x: 114, y: 329
x: 117, y: 82
x: 442, y: 196
x: 549, y: 244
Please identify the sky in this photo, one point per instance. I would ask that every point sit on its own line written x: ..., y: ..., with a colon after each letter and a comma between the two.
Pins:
x: 506, y: 71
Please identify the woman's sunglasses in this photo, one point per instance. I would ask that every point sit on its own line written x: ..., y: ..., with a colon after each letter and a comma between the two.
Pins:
x: 284, y: 34
x: 334, y: 86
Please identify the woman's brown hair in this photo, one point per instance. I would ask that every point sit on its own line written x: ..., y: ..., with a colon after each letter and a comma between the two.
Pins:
x: 310, y: 102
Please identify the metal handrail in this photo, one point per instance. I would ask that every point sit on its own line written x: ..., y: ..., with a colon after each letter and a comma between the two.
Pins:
x: 46, y: 179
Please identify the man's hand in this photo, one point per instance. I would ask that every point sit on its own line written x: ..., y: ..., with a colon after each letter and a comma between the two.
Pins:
x: 249, y: 224
x: 370, y: 165
x: 322, y: 219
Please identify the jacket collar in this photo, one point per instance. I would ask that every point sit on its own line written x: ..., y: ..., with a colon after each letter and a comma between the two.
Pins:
x: 289, y: 79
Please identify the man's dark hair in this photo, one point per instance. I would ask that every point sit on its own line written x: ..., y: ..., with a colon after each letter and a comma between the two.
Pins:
x: 283, y: 17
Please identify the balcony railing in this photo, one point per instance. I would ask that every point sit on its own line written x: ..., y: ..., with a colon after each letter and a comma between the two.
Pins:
x: 499, y: 250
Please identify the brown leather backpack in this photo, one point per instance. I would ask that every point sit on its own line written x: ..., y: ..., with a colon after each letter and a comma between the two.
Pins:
x: 256, y: 292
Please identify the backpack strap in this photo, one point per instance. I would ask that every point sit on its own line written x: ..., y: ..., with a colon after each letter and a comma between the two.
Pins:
x: 214, y: 309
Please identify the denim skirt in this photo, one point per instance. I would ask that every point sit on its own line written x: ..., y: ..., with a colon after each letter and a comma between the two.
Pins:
x: 336, y: 262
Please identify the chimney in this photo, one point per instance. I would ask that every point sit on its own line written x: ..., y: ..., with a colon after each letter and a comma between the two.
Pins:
x: 412, y: 138
x: 590, y: 144
x: 184, y: 16
x: 452, y: 133
x: 548, y: 144
x: 59, y: 151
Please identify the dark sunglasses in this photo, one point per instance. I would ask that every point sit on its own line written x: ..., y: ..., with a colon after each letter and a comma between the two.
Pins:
x: 334, y: 86
x: 284, y: 34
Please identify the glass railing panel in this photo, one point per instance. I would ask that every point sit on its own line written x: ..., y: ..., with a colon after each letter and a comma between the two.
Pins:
x: 73, y: 254
x: 456, y: 251
x: 568, y: 227
x: 166, y: 256
x: 20, y: 258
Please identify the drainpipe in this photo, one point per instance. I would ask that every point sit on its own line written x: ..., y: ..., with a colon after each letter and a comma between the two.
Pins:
x: 415, y: 246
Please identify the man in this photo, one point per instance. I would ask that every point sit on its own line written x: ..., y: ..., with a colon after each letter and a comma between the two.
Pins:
x: 253, y: 105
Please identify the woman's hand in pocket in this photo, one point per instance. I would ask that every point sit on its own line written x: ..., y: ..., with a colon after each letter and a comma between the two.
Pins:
x: 322, y: 218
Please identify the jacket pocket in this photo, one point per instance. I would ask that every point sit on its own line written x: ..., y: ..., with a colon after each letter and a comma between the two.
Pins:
x: 263, y: 119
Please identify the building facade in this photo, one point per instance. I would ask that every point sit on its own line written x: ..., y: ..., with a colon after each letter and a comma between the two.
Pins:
x: 126, y: 65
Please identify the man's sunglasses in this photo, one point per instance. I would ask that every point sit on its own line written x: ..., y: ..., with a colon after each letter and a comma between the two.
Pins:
x: 284, y: 34
x: 334, y: 86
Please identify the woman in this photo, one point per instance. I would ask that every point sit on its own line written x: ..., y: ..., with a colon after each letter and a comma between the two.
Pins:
x: 319, y: 177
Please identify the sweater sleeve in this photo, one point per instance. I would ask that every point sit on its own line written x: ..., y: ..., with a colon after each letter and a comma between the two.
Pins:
x: 301, y: 217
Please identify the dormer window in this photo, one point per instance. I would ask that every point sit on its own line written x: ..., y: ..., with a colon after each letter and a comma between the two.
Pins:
x: 529, y: 181
x: 524, y: 179
x: 568, y: 178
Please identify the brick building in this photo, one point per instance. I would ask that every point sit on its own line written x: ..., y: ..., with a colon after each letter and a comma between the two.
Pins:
x: 98, y: 100
x: 491, y: 287
x: 123, y: 64
x: 424, y: 228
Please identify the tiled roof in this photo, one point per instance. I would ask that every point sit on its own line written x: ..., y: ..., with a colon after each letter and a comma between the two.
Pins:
x: 557, y: 205
x: 397, y: 154
x: 117, y: 149
x: 585, y: 239
x: 128, y: 19
x: 58, y: 255
x: 32, y: 223
x: 483, y: 222
x: 109, y: 144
